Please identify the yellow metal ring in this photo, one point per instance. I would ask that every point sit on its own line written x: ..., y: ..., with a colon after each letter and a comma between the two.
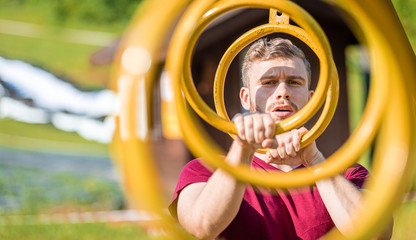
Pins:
x: 392, y: 86
x: 201, y: 145
x: 377, y: 24
x: 261, y: 31
x: 133, y: 78
x: 295, y: 121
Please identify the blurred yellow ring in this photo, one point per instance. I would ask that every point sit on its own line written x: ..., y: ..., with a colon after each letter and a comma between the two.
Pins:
x: 379, y: 27
x: 201, y: 144
x: 298, y: 119
x: 396, y: 142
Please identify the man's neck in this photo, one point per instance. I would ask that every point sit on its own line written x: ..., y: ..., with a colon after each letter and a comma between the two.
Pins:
x: 282, y: 167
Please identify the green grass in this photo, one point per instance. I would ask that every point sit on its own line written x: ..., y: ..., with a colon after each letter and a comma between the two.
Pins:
x: 43, y: 137
x: 404, y: 222
x: 64, y: 59
x: 42, y: 12
x: 26, y: 191
x: 39, y: 13
x: 356, y: 94
x: 69, y: 61
x: 90, y: 231
x: 34, y: 191
x: 406, y: 11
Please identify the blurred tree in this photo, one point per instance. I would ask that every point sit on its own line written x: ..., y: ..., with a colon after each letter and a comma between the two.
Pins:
x: 68, y: 12
x: 406, y: 9
x: 95, y: 11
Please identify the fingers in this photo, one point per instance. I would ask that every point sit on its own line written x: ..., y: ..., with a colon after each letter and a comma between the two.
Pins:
x: 258, y: 129
x: 269, y: 125
x: 239, y: 123
x: 285, y: 146
x: 296, y: 141
x: 289, y: 150
x: 297, y: 137
x: 248, y: 128
x: 272, y: 155
x: 254, y: 128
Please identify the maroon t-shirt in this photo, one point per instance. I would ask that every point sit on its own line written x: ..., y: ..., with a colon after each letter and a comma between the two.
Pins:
x: 272, y: 214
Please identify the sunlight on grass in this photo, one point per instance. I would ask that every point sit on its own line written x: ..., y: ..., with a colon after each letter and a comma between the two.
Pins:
x: 69, y: 61
x: 90, y: 231
x: 42, y: 12
x: 404, y: 222
x: 22, y: 135
x: 357, y: 93
x: 26, y: 190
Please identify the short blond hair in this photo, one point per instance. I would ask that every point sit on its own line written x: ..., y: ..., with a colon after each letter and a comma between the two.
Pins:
x: 266, y: 49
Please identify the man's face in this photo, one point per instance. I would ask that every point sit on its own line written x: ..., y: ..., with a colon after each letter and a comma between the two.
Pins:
x: 277, y: 86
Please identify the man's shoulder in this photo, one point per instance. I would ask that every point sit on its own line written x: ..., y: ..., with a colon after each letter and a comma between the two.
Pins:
x: 193, y: 163
x: 195, y: 168
x: 356, y: 169
x: 357, y: 174
x: 197, y: 164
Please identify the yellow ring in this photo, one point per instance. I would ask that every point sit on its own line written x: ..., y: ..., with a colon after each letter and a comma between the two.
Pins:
x: 131, y: 149
x: 394, y: 158
x: 261, y: 31
x: 201, y: 145
x: 390, y: 176
x: 208, y: 115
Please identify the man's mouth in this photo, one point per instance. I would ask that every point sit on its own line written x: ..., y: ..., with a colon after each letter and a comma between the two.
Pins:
x: 282, y: 111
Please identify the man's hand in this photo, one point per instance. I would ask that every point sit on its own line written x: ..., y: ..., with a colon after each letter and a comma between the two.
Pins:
x: 256, y: 130
x: 285, y: 149
x: 253, y: 129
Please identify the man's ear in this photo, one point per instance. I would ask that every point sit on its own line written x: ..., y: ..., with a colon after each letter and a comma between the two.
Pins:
x: 311, y: 92
x: 245, y: 98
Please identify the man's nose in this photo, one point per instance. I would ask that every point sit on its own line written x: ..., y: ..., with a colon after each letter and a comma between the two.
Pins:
x: 282, y: 91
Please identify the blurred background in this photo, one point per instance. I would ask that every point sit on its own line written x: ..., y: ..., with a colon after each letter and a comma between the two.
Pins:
x: 57, y: 178
x: 57, y: 120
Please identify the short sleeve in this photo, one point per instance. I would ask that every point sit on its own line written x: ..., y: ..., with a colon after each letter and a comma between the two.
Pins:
x: 193, y: 172
x: 357, y: 175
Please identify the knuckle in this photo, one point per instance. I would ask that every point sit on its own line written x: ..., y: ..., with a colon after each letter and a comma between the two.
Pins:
x: 248, y: 124
x: 240, y: 128
x: 259, y: 127
x: 240, y: 131
x: 238, y: 116
x: 248, y: 118
x: 238, y: 122
x: 269, y: 124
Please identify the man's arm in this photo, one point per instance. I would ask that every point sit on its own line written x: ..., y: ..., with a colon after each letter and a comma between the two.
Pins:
x: 341, y: 197
x: 206, y: 209
x: 342, y: 200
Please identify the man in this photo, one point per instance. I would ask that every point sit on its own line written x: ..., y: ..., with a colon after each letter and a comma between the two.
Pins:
x: 211, y: 204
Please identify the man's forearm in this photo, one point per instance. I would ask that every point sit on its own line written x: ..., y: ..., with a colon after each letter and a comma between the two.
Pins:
x: 340, y: 196
x: 341, y: 199
x: 219, y: 200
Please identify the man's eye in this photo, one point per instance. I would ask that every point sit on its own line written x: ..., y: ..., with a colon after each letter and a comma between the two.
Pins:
x: 268, y: 82
x: 294, y: 82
